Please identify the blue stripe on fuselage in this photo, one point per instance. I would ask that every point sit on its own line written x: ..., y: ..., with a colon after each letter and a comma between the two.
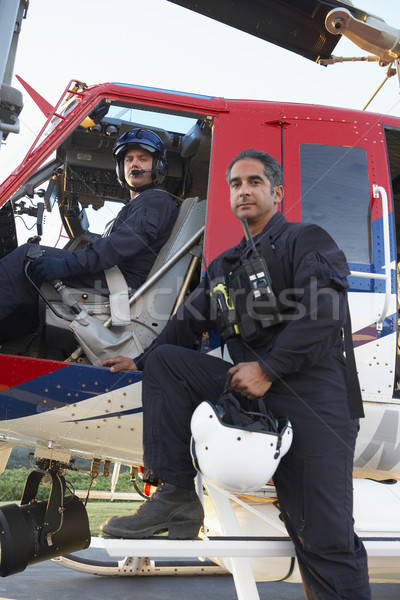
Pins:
x: 361, y: 284
x: 74, y: 383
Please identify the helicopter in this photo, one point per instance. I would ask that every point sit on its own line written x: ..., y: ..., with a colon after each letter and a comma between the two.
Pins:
x: 56, y: 399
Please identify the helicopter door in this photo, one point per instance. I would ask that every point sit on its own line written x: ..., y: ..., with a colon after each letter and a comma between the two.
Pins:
x: 337, y: 171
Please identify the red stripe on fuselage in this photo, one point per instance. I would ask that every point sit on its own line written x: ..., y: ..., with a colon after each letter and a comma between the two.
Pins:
x: 15, y: 370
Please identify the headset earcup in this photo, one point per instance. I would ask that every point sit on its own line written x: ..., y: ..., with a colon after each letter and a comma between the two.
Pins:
x: 161, y: 168
x: 119, y: 169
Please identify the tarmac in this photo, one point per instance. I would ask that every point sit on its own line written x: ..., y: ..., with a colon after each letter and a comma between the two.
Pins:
x: 49, y: 580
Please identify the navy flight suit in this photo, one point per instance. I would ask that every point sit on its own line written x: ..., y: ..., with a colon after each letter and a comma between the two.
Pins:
x: 304, y: 359
x: 140, y: 229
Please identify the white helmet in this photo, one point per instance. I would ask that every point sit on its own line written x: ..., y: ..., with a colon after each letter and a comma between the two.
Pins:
x: 236, y: 450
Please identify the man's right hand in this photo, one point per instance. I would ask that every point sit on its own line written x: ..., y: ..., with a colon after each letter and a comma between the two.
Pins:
x: 119, y: 363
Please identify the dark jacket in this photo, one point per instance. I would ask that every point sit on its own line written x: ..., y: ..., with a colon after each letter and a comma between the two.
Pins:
x: 314, y: 270
x: 139, y: 231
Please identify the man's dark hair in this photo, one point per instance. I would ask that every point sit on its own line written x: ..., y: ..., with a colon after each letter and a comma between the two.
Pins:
x: 272, y: 168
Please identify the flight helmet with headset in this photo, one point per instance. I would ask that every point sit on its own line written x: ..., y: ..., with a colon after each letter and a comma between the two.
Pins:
x: 147, y: 140
x: 235, y: 449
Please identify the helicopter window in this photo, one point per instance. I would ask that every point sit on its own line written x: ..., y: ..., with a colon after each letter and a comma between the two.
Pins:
x: 152, y: 119
x: 87, y: 153
x: 335, y: 195
x: 79, y: 178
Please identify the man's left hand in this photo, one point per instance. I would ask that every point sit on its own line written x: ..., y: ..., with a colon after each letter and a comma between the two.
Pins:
x: 119, y: 363
x: 249, y: 380
x: 47, y: 268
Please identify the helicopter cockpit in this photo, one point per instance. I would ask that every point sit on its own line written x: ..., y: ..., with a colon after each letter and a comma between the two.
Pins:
x: 79, y: 183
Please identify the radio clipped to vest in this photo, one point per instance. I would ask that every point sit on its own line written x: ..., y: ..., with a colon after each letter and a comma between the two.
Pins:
x: 255, y: 301
x: 246, y: 304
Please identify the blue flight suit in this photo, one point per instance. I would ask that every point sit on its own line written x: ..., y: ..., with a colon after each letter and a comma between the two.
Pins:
x: 140, y: 229
x: 303, y: 357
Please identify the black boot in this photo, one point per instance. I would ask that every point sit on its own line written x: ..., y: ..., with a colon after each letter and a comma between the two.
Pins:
x: 176, y: 510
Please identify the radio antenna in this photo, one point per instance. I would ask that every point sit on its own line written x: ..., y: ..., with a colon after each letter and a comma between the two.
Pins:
x: 249, y: 236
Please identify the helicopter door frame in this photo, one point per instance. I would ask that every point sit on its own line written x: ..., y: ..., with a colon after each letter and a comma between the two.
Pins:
x: 392, y: 139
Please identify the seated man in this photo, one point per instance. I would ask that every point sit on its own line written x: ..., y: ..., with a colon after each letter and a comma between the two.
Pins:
x: 139, y: 231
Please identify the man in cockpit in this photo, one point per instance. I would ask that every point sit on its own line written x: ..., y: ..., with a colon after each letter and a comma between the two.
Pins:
x: 294, y: 364
x: 136, y: 236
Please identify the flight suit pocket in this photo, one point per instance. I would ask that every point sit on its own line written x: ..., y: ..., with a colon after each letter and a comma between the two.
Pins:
x: 334, y: 269
x: 325, y: 515
x: 150, y: 222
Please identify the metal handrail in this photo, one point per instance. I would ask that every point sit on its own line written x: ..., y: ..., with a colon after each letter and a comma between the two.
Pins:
x: 386, y: 277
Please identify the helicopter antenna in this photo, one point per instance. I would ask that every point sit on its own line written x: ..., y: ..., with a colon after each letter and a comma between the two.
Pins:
x: 390, y: 71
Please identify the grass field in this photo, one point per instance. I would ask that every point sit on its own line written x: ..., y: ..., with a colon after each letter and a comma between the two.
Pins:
x: 99, y: 511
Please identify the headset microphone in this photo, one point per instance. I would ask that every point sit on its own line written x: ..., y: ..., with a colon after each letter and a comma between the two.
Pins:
x: 141, y: 171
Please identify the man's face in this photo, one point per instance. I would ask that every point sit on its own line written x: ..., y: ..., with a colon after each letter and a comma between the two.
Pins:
x: 251, y: 195
x: 137, y: 158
